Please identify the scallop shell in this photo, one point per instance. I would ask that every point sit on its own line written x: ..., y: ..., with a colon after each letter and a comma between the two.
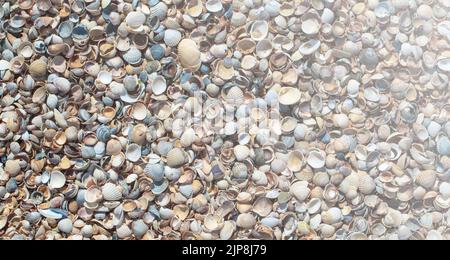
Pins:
x: 172, y: 37
x: 159, y: 10
x: 235, y: 96
x: 111, y: 192
x: 57, y: 180
x: 189, y: 55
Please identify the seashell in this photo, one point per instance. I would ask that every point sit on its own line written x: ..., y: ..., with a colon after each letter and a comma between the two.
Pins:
x: 213, y: 6
x: 12, y: 167
x: 259, y: 30
x: 264, y: 48
x: 159, y: 10
x: 227, y: 231
x: 189, y: 55
x: 133, y: 152
x: 310, y: 24
x: 139, y: 111
x: 309, y: 47
x: 133, y: 56
x: 241, y: 152
x: 135, y: 19
x: 295, y: 161
x: 332, y: 216
x: 159, y: 85
x: 57, y: 180
x: 176, y: 158
x: 262, y: 206
x: 316, y: 159
x: 426, y: 179
x: 246, y: 221
x: 443, y: 145
x: 38, y: 69
x: 289, y: 96
x: 65, y: 226
x: 444, y: 65
x: 172, y: 37
x: 213, y: 223
x: 300, y: 190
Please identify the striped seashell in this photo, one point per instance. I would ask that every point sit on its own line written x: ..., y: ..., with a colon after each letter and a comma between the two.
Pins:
x: 133, y: 56
x: 189, y: 55
x: 172, y: 37
x: 135, y: 19
x: 111, y: 192
x: 176, y: 158
x: 235, y: 96
x: 321, y: 179
x: 426, y: 179
x: 159, y: 10
x: 366, y: 184
x: 300, y: 190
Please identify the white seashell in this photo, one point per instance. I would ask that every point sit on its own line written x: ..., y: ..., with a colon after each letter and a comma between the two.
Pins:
x: 309, y: 47
x: 57, y: 180
x: 133, y: 152
x: 259, y: 30
x: 105, y: 77
x: 189, y: 54
x: 111, y: 192
x: 214, y: 6
x: 159, y: 85
x: 219, y: 50
x: 295, y: 161
x: 188, y: 137
x: 289, y: 96
x: 135, y: 19
x: 262, y: 206
x: 172, y: 37
x: 332, y: 216
x: 241, y: 152
x: 426, y: 178
x: 246, y: 221
x: 300, y: 190
x: 228, y: 229
x: 316, y: 159
x: 159, y: 10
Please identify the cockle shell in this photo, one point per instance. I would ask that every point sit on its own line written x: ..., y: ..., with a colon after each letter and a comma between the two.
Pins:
x: 176, y: 158
x: 57, y: 180
x: 246, y: 221
x: 189, y: 55
x: 300, y: 190
x: 172, y: 37
x: 111, y: 192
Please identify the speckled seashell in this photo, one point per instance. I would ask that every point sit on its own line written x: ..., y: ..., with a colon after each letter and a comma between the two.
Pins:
x: 189, y: 54
x: 111, y: 192
x: 38, y: 69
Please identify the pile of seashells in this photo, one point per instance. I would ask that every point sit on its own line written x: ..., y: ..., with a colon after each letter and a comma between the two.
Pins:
x: 224, y: 119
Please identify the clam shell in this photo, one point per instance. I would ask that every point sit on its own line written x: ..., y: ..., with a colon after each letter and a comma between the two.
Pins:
x: 133, y: 56
x: 300, y: 190
x: 139, y: 111
x: 246, y: 221
x: 228, y: 229
x: 159, y: 85
x: 189, y: 55
x: 38, y: 69
x: 259, y: 30
x: 135, y: 19
x: 289, y: 96
x: 111, y: 192
x: 444, y: 65
x: 172, y: 37
x: 316, y: 159
x: 262, y: 206
x: 57, y: 180
x: 426, y: 179
x: 309, y: 47
x: 214, y: 6
x: 65, y: 226
x: 134, y: 152
x: 176, y: 158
